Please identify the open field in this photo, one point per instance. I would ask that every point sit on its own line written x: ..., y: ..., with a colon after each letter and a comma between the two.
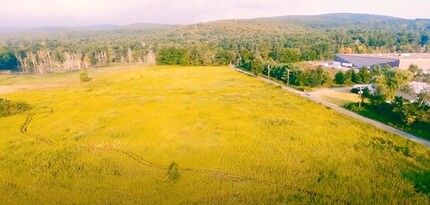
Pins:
x: 336, y: 96
x: 236, y: 140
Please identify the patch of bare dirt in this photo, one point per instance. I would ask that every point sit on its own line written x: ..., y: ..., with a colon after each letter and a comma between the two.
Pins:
x: 4, y: 89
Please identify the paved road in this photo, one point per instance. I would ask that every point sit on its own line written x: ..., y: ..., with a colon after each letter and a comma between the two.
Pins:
x: 344, y: 111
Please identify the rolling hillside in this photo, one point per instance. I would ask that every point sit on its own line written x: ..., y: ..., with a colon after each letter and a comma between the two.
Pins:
x: 298, y: 24
x: 269, y: 25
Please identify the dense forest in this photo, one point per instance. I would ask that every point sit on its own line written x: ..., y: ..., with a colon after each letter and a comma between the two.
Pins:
x: 285, y: 39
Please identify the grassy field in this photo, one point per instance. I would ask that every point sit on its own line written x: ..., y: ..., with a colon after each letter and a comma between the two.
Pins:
x: 338, y: 98
x: 234, y: 139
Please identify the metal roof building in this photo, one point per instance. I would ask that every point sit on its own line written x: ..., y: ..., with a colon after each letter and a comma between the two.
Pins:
x: 403, y: 61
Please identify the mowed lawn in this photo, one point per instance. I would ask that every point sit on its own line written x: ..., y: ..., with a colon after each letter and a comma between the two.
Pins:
x: 236, y: 140
x: 339, y: 98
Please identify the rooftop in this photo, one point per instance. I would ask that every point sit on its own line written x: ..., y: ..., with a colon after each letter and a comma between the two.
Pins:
x: 393, y: 56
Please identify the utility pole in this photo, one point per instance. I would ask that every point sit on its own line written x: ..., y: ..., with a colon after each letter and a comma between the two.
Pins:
x: 288, y: 77
x: 360, y: 93
x: 268, y: 71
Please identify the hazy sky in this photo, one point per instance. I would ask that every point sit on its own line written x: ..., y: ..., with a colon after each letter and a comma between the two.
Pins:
x: 34, y: 13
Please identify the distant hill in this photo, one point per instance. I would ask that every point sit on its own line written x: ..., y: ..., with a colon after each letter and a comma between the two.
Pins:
x: 296, y: 24
x: 101, y: 27
x: 148, y: 26
x: 301, y: 23
x: 280, y: 24
x: 336, y: 17
x: 350, y: 21
x: 6, y: 30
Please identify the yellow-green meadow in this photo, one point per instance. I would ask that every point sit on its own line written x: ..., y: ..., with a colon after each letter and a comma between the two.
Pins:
x: 195, y: 135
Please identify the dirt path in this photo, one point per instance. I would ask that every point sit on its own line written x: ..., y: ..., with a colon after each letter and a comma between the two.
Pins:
x: 24, y: 130
x: 4, y: 89
x: 233, y: 177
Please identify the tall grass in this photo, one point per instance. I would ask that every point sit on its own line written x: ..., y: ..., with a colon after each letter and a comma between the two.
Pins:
x: 232, y: 138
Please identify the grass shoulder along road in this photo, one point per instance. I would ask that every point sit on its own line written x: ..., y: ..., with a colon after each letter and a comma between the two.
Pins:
x: 343, y: 97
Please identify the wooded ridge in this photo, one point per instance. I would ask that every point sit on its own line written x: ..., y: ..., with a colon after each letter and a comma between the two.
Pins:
x: 284, y: 39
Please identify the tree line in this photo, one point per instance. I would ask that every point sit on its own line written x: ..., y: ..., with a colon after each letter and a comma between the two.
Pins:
x: 201, y: 44
x: 384, y: 104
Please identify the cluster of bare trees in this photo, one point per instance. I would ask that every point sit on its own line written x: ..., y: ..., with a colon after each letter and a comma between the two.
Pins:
x: 42, y: 61
x: 47, y: 56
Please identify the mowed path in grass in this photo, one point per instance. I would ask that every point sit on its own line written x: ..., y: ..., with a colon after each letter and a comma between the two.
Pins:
x: 236, y: 140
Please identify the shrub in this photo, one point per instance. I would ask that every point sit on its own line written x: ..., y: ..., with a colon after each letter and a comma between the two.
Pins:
x: 84, y: 76
x: 173, y: 172
x: 421, y: 180
x: 353, y: 107
x: 8, y: 107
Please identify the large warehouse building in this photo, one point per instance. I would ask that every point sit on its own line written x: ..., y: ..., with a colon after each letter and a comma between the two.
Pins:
x: 403, y: 61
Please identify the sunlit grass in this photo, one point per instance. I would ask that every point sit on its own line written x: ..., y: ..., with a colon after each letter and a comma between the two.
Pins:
x: 235, y: 140
x: 339, y: 98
